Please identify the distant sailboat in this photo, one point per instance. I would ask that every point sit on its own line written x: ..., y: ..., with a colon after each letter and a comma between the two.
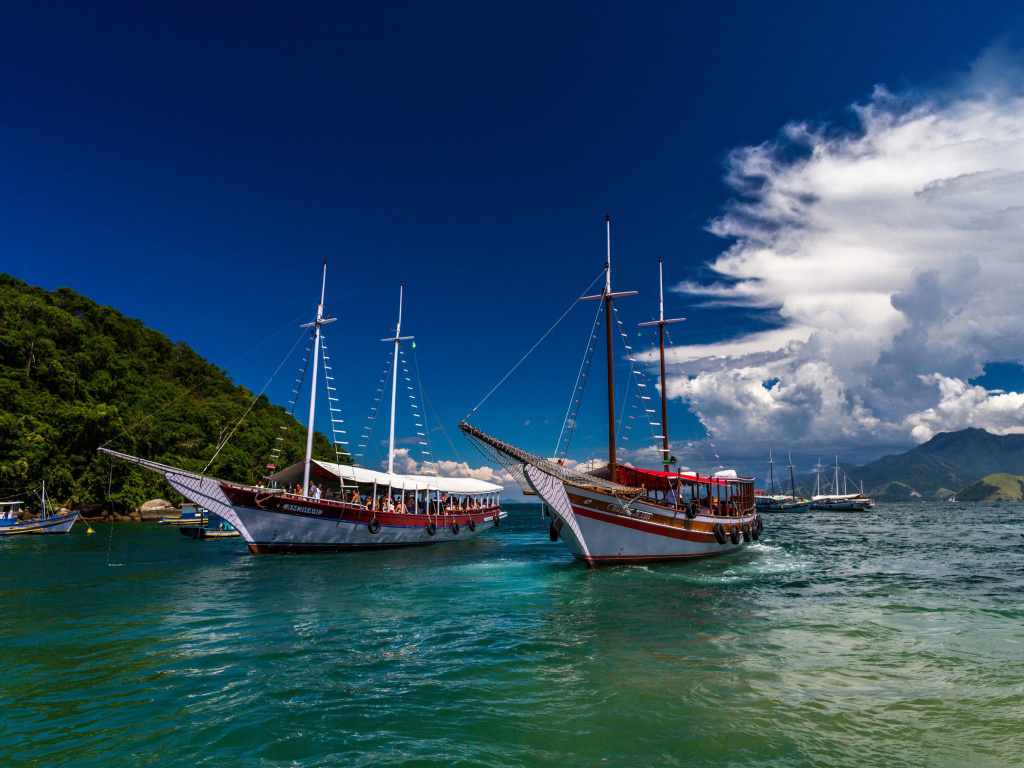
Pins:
x: 840, y: 502
x: 780, y: 502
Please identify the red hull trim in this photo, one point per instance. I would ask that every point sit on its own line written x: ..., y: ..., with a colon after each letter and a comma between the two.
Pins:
x: 705, y: 537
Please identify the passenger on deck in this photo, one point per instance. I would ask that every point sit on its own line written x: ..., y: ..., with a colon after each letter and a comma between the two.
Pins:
x: 354, y: 499
x: 329, y: 494
x: 315, y: 491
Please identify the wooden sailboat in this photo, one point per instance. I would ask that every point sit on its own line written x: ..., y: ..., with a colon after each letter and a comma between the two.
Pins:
x: 624, y: 515
x: 378, y: 509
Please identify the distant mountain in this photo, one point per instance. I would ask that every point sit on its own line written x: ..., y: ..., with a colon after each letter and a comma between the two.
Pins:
x: 997, y: 487
x: 945, y: 465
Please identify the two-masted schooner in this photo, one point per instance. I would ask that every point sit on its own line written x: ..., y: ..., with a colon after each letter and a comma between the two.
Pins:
x: 373, y: 510
x: 622, y: 514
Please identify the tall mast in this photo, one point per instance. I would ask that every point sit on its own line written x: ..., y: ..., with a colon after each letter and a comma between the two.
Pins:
x: 771, y: 472
x: 608, y: 336
x: 666, y: 457
x: 315, y: 325
x: 398, y: 338
x: 792, y: 480
x: 607, y: 296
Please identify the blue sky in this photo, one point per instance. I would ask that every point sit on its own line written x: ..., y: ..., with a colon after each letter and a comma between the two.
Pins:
x: 193, y: 165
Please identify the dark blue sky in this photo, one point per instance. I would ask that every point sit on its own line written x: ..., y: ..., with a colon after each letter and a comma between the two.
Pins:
x: 192, y: 164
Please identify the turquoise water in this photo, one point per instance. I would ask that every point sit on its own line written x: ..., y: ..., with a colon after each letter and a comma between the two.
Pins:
x: 894, y: 638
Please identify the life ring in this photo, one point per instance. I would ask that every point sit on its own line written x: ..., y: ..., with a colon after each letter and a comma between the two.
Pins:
x: 691, y: 509
x: 552, y: 533
x: 373, y: 526
x: 455, y: 528
x: 431, y: 528
x: 747, y: 534
x: 471, y: 524
x: 719, y: 532
x: 734, y: 534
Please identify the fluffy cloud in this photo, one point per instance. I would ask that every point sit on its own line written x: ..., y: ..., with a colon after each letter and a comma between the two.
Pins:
x: 892, y: 254
x: 407, y: 465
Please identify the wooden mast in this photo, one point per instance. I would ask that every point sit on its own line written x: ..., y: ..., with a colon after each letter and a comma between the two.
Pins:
x: 608, y: 335
x: 607, y: 296
x: 661, y: 322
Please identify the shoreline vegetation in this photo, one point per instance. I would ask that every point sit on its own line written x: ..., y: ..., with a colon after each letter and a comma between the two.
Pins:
x: 75, y: 375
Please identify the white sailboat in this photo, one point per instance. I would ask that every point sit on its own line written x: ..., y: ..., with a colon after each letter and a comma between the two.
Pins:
x: 780, y: 502
x: 626, y: 515
x: 839, y: 502
x: 384, y: 509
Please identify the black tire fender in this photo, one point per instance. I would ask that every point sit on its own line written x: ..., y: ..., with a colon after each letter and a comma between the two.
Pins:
x: 719, y: 532
x: 431, y: 528
x: 734, y: 534
x: 455, y: 528
x: 552, y: 533
x: 373, y: 526
x: 755, y: 529
x: 747, y: 533
x: 471, y: 524
x: 692, y: 509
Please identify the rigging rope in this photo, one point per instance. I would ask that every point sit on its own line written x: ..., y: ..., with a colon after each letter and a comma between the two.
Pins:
x: 252, y: 404
x: 208, y: 378
x: 581, y: 376
x: 693, y: 401
x: 549, y: 330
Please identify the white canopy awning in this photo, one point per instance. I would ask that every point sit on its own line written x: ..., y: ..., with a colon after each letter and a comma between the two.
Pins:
x: 352, y: 475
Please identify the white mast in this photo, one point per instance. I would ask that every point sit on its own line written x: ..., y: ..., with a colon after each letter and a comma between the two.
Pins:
x: 315, y: 325
x: 397, y: 339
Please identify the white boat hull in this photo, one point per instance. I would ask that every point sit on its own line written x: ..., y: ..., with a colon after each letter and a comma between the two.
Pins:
x: 599, y: 530
x: 268, y: 531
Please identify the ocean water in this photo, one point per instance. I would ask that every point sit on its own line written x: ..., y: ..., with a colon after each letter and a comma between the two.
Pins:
x: 893, y: 638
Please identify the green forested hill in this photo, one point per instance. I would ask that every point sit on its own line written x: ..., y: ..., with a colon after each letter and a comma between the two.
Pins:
x: 74, y: 374
x: 996, y: 487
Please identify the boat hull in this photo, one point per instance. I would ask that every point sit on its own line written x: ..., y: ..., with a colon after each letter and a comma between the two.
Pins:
x: 275, y: 523
x: 862, y: 505
x: 767, y: 504
x: 600, y: 530
x: 198, y: 532
x: 56, y: 524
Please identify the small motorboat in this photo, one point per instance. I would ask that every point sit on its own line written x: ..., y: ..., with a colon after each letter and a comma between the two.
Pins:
x: 213, y: 528
x: 191, y: 515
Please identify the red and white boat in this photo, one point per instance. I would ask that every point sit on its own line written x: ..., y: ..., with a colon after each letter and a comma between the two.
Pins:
x: 392, y: 510
x: 625, y: 515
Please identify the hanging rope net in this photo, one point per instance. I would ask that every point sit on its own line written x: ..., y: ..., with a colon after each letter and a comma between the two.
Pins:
x: 514, y: 459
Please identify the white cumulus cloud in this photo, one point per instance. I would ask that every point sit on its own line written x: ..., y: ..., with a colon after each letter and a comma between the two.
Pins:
x: 892, y: 252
